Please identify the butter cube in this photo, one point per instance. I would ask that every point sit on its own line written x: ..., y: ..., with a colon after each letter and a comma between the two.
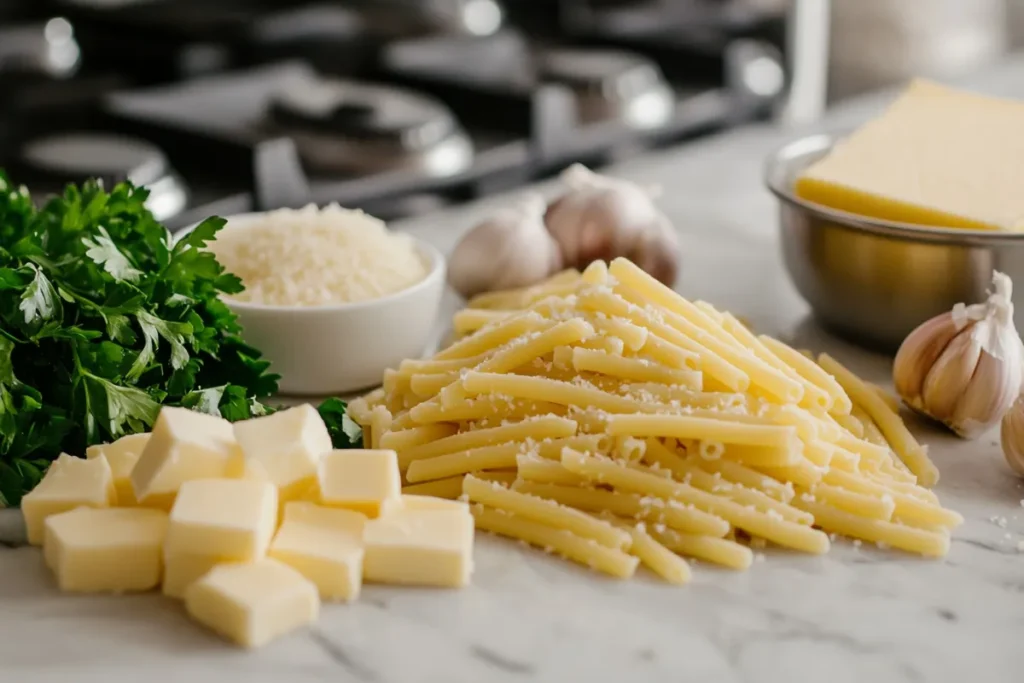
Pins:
x: 228, y: 518
x: 284, y: 448
x: 183, y: 569
x: 122, y: 456
x: 363, y: 480
x: 423, y: 547
x: 69, y: 483
x: 116, y: 550
x: 253, y: 603
x: 184, y: 445
x: 325, y: 545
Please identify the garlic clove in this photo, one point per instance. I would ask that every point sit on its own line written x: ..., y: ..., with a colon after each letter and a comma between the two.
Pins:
x: 510, y: 249
x: 657, y: 252
x: 964, y: 368
x: 918, y: 354
x: 949, y: 376
x: 988, y: 395
x: 602, y: 218
x: 1011, y: 436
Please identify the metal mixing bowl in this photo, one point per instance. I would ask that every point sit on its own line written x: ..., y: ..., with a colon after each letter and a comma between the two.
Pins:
x: 874, y: 281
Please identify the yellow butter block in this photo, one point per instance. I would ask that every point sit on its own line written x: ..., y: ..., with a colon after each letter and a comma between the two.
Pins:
x: 69, y: 483
x: 363, y: 480
x: 114, y: 550
x: 181, y: 570
x: 122, y: 456
x: 184, y: 445
x: 253, y: 603
x: 938, y: 157
x: 228, y: 518
x: 325, y: 545
x: 420, y: 547
x: 284, y: 448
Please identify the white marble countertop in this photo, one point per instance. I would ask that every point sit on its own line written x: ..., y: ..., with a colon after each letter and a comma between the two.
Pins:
x: 856, y: 614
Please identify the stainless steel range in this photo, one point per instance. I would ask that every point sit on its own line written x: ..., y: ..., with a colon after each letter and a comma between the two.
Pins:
x: 394, y: 106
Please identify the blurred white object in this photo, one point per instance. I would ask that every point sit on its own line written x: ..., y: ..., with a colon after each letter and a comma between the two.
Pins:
x: 807, y: 48
x: 880, y: 42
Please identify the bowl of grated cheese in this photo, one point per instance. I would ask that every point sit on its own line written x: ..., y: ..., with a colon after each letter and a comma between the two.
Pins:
x: 332, y: 297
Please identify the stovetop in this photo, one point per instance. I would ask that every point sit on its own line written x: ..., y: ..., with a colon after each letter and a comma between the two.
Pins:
x: 393, y: 106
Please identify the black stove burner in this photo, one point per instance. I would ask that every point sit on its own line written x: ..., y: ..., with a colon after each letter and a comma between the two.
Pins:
x: 72, y: 157
x: 344, y: 126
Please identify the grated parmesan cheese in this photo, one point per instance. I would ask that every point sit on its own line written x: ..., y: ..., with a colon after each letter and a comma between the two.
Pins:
x: 317, y: 257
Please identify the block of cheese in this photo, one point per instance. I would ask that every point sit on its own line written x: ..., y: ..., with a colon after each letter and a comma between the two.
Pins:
x: 363, y: 480
x: 253, y: 603
x: 181, y: 570
x: 284, y: 448
x: 228, y: 518
x: 116, y: 550
x: 423, y: 547
x: 122, y: 456
x: 69, y: 483
x: 937, y: 157
x: 325, y: 545
x: 184, y: 445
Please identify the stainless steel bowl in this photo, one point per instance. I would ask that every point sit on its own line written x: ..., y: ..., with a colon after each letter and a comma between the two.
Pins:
x: 874, y: 281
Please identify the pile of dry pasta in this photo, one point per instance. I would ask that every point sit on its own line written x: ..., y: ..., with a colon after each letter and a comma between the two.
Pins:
x: 603, y: 417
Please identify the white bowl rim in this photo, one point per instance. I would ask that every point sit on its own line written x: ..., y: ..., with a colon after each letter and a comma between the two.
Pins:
x: 437, y: 270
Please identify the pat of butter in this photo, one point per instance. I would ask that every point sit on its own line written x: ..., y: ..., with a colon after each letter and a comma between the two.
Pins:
x: 253, y: 603
x: 325, y: 545
x: 184, y: 445
x: 116, y: 550
x: 937, y: 157
x: 284, y: 448
x: 229, y: 518
x: 424, y: 547
x: 69, y: 483
x: 366, y: 481
x: 183, y: 569
x: 122, y: 456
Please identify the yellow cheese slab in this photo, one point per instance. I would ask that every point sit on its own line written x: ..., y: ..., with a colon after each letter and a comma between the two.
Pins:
x: 253, y: 603
x: 366, y: 481
x: 69, y: 483
x: 325, y: 545
x: 284, y: 448
x: 114, y: 550
x: 122, y: 456
x: 228, y: 518
x: 937, y: 157
x: 183, y: 446
x: 420, y: 547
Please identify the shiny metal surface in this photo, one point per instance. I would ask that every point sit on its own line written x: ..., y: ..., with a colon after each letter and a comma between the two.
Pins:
x: 611, y: 85
x: 873, y: 281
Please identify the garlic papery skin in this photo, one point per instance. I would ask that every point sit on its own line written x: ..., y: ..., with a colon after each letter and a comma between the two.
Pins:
x: 1011, y: 436
x: 964, y: 368
x: 602, y: 218
x: 511, y: 249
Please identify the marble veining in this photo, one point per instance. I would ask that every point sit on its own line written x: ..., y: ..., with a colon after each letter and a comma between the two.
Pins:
x: 857, y: 614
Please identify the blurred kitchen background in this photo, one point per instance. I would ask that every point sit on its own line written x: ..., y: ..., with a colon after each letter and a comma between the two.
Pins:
x: 403, y: 106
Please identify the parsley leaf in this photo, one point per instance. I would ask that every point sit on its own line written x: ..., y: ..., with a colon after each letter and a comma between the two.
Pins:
x: 104, y: 319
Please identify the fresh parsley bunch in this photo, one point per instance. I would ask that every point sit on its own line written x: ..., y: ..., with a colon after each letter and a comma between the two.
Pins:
x: 104, y: 319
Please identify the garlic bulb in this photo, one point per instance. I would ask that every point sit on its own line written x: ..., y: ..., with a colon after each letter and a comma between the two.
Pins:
x: 511, y: 249
x: 1011, y: 435
x: 964, y: 368
x: 601, y: 218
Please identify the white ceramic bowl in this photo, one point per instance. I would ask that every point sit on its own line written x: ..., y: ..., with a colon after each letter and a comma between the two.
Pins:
x: 342, y: 348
